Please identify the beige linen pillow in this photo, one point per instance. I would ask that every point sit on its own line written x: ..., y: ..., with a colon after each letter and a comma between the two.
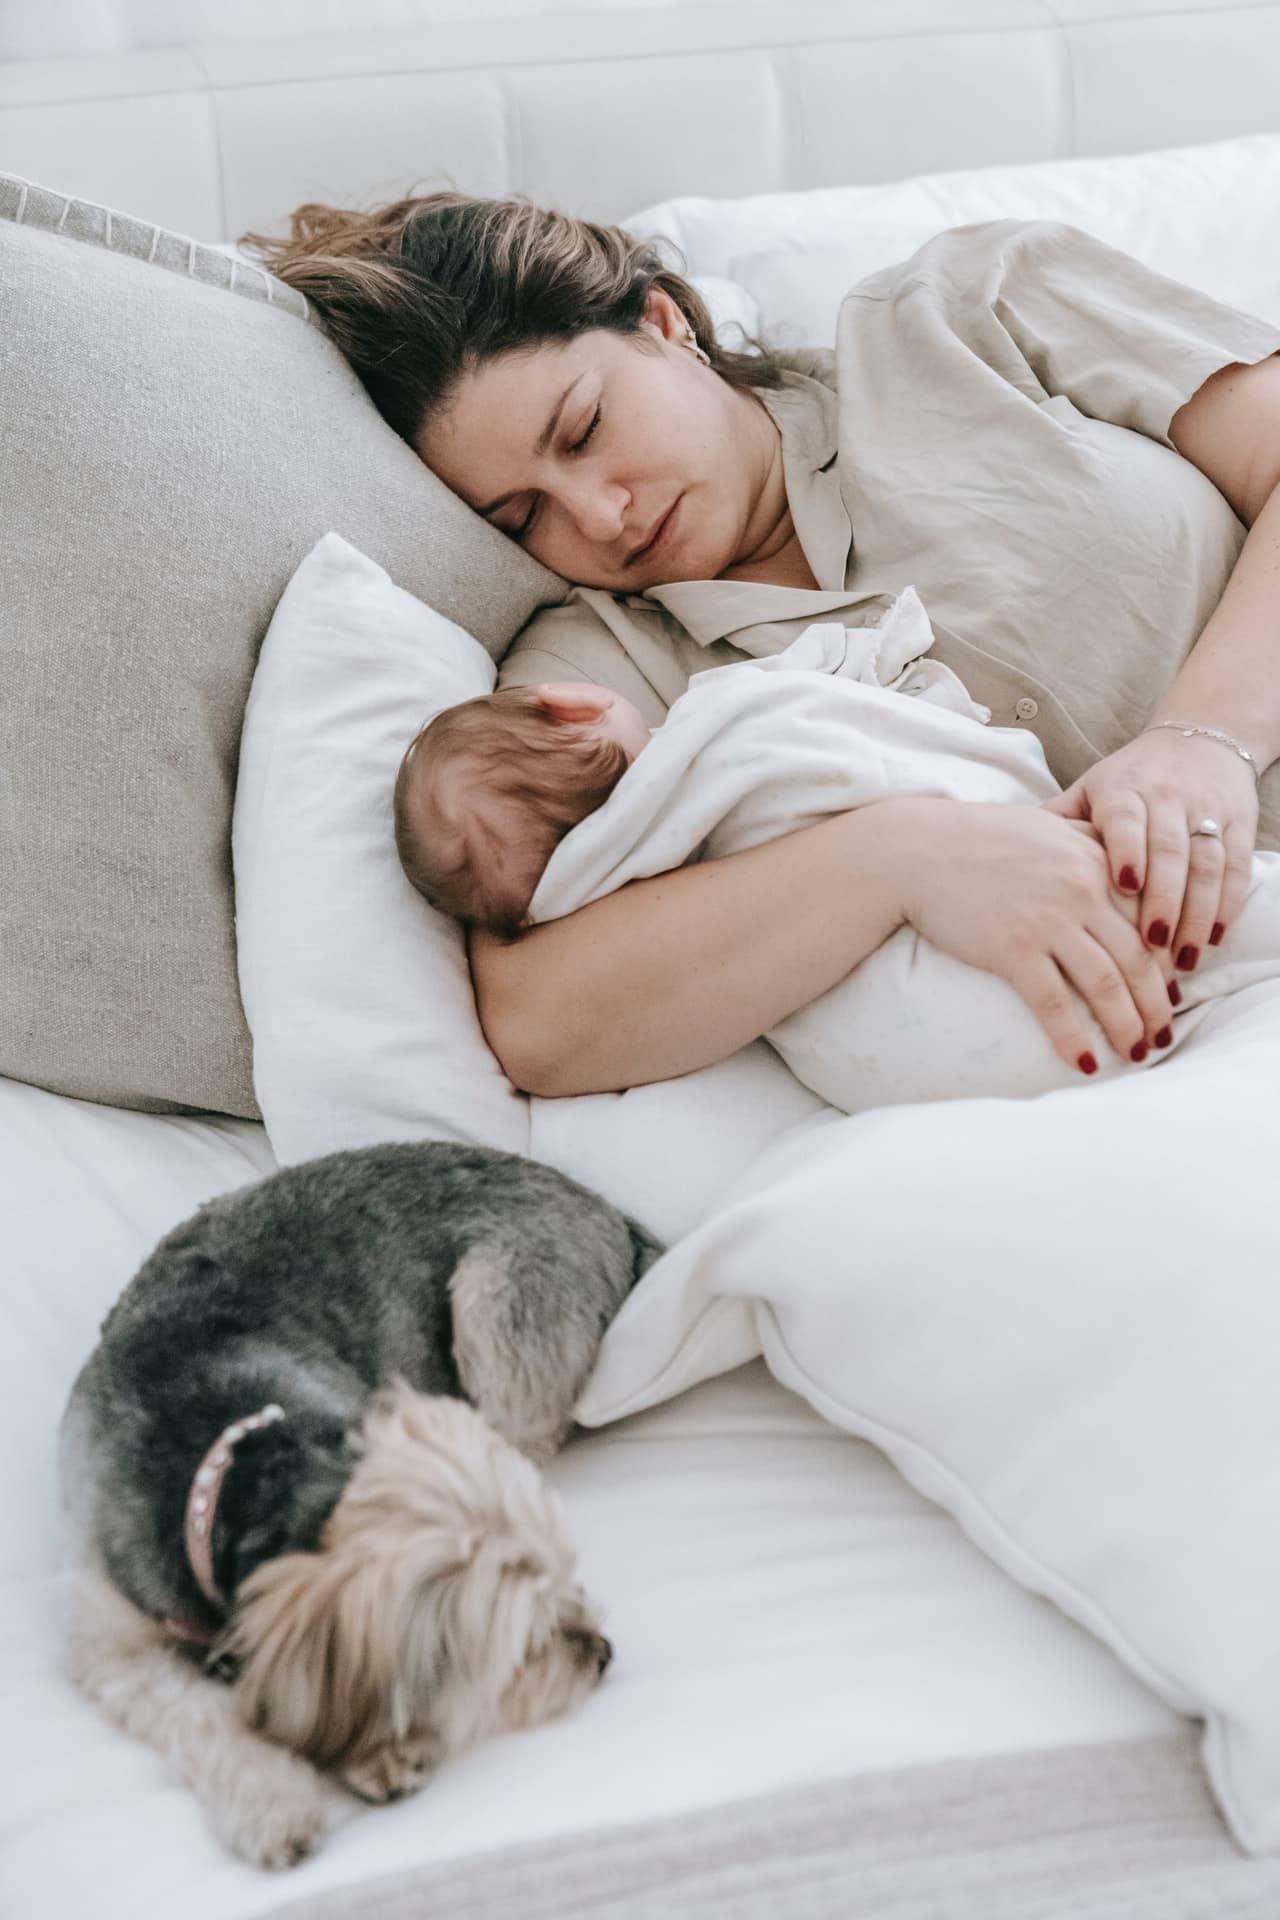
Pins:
x: 175, y: 435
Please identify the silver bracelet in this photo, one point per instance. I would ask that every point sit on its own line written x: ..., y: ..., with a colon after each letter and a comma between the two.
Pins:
x: 1210, y: 733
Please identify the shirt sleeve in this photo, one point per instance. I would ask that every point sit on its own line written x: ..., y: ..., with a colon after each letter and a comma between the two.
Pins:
x: 1123, y: 343
x: 571, y: 642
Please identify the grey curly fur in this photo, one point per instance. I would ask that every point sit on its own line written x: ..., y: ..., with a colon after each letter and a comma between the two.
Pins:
x: 460, y: 1270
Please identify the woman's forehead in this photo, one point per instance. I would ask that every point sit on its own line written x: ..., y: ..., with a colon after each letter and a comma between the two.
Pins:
x: 501, y: 417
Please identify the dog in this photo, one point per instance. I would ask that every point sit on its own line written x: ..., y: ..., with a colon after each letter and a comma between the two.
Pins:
x: 311, y: 1547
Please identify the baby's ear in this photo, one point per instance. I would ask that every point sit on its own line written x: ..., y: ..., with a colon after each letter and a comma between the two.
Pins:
x: 576, y: 701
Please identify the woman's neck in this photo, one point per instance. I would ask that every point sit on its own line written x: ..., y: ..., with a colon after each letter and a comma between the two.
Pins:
x: 785, y: 564
x: 771, y: 553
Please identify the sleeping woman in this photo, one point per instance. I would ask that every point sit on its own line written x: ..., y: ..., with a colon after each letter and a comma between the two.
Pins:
x: 1075, y: 461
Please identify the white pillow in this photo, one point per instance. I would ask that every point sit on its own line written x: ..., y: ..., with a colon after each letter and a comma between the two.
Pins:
x: 357, y: 994
x: 1060, y: 1319
x: 734, y: 314
x: 1204, y: 215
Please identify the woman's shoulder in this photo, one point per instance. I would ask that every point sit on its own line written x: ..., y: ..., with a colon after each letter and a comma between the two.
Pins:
x: 799, y: 366
x: 570, y: 635
x: 961, y: 257
x: 590, y: 636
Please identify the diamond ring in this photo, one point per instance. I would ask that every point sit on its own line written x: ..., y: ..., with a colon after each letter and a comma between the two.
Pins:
x: 1209, y: 827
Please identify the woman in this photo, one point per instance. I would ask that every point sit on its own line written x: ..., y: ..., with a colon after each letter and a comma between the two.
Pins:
x: 1061, y: 450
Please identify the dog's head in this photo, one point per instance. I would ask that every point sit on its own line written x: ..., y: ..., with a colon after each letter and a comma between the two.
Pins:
x: 441, y: 1607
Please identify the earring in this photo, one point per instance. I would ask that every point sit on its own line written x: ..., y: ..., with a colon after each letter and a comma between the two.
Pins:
x: 690, y: 341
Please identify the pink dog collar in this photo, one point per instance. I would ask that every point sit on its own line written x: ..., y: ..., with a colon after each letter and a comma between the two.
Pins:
x: 202, y: 1500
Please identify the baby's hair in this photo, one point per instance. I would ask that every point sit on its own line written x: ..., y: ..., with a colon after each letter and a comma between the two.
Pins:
x: 545, y: 774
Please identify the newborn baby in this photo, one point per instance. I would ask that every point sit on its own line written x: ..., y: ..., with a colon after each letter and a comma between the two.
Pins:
x: 519, y: 808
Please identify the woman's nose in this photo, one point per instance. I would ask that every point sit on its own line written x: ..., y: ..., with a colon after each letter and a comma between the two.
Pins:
x: 599, y: 512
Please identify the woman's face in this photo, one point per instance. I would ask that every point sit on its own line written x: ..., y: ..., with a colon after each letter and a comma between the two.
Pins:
x: 584, y: 451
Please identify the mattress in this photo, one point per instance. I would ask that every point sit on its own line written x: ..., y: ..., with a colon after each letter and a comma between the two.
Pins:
x: 788, y: 1615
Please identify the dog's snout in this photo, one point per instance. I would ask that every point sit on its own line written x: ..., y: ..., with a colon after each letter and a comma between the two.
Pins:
x: 591, y: 1648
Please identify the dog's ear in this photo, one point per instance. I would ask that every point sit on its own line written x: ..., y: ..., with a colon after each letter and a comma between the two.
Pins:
x: 288, y: 1479
x: 308, y: 1678
x: 343, y: 1650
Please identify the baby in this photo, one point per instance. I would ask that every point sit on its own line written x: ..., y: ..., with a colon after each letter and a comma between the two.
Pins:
x: 522, y: 807
x: 488, y: 789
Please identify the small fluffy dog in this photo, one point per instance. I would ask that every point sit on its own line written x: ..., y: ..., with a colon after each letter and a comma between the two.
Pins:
x: 276, y: 1479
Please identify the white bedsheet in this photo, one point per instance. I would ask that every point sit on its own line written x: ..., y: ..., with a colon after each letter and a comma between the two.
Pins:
x: 784, y: 1606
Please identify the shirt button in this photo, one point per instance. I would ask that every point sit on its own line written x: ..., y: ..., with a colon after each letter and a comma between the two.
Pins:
x: 1026, y: 708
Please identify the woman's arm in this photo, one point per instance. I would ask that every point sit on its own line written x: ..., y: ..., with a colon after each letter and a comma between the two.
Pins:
x: 672, y: 973
x: 1230, y: 429
x: 1146, y: 798
x: 675, y: 972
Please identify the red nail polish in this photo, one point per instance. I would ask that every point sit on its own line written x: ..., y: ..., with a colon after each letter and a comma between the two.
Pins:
x: 1187, y: 957
x: 1139, y: 1053
x: 1165, y: 1037
x: 1175, y: 994
x: 1087, y: 1063
x: 1128, y: 880
x: 1158, y: 933
x: 1215, y: 938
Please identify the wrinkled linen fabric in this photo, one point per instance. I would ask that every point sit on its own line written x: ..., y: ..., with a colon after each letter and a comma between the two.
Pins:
x: 844, y: 718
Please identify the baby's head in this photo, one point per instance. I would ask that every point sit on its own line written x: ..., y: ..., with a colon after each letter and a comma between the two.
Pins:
x: 488, y: 789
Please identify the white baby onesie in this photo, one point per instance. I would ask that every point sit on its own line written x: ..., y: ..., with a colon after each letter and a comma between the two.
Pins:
x: 753, y: 751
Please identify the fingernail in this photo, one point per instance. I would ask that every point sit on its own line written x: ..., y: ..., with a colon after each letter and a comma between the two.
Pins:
x: 1187, y: 957
x: 1128, y: 880
x: 1158, y: 933
x: 1175, y: 994
x: 1215, y: 938
x: 1165, y: 1037
x: 1087, y: 1063
x: 1139, y: 1053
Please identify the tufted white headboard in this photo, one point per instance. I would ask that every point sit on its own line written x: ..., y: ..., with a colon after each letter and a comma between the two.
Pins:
x: 603, y: 111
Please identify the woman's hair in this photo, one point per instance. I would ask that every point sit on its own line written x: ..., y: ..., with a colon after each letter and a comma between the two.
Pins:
x: 485, y: 794
x: 424, y: 290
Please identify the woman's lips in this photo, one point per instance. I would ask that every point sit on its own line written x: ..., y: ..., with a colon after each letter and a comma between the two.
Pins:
x: 663, y: 534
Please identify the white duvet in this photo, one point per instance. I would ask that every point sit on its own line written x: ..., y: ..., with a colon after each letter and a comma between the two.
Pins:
x: 845, y: 717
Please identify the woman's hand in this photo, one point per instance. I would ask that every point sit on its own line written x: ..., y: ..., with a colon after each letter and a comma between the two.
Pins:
x: 1027, y: 896
x: 1145, y: 801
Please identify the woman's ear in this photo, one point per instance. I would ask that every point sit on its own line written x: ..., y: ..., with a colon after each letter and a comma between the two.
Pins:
x: 664, y: 316
x: 575, y: 701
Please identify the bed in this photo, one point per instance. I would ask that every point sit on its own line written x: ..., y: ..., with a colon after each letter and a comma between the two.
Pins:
x: 827, y: 1698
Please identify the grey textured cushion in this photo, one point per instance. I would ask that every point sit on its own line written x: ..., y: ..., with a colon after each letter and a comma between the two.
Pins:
x: 175, y: 435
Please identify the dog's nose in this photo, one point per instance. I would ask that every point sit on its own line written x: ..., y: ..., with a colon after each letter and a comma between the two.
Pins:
x: 604, y: 1653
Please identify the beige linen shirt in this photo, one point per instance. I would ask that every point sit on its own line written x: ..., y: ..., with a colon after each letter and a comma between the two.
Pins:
x: 991, y: 429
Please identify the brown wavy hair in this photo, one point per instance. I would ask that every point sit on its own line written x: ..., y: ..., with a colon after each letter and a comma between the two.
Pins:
x: 546, y: 774
x: 426, y: 289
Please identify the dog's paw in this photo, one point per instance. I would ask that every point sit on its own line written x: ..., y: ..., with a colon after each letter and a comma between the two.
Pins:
x: 399, y: 1768
x: 542, y: 1444
x: 279, y: 1820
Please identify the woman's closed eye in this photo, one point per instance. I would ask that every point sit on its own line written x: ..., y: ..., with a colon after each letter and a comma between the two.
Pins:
x: 518, y: 533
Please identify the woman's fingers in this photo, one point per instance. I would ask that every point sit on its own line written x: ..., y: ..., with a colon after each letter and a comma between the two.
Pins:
x: 1125, y: 830
x: 1168, y: 857
x: 1127, y: 997
x: 1202, y: 902
x: 1060, y: 1011
x: 1119, y: 979
x: 1237, y: 873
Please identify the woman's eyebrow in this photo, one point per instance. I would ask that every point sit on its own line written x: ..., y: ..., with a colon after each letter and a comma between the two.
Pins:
x: 544, y: 441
